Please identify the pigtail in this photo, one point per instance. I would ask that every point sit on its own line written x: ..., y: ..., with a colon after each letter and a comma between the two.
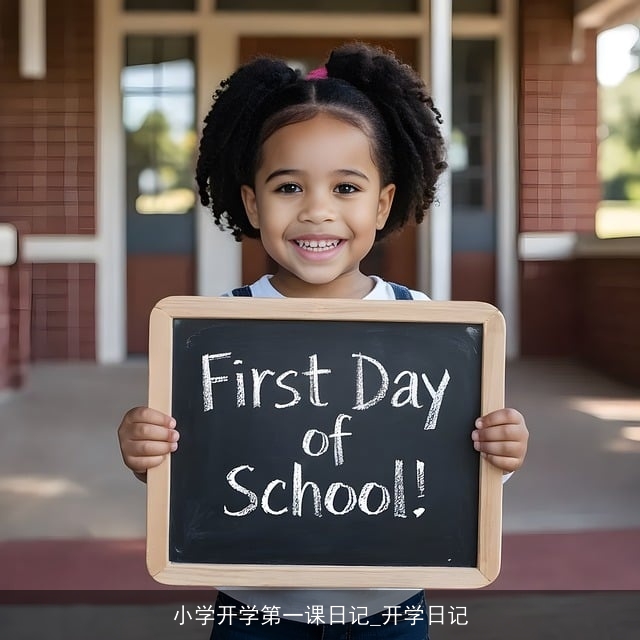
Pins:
x: 412, y: 120
x: 228, y: 146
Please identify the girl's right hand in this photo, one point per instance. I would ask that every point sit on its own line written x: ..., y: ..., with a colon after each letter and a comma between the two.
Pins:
x: 146, y: 436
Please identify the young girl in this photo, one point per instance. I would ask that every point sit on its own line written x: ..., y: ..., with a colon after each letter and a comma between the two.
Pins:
x: 320, y: 168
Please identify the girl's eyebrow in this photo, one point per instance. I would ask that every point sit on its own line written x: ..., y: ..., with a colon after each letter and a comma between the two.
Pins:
x: 342, y: 172
x: 352, y: 172
x: 281, y: 172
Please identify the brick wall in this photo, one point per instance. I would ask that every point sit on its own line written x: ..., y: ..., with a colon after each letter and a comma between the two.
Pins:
x: 47, y: 147
x: 63, y: 313
x: 559, y: 186
x: 560, y: 189
x: 549, y: 308
x: 610, y: 315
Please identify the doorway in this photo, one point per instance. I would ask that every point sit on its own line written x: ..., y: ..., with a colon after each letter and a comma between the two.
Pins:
x: 158, y: 113
x: 220, y: 38
x: 472, y: 160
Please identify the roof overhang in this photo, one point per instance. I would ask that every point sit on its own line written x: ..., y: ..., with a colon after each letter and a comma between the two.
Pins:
x: 604, y: 14
x: 599, y: 15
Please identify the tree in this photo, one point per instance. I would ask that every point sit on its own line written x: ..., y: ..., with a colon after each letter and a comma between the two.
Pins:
x: 619, y: 152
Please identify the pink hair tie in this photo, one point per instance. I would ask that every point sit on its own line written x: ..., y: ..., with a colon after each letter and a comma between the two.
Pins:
x: 317, y: 74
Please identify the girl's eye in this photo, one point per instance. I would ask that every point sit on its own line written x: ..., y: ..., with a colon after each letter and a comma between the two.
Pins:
x: 290, y: 187
x: 346, y: 188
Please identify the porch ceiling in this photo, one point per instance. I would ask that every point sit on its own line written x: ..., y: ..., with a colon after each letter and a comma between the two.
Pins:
x: 605, y: 14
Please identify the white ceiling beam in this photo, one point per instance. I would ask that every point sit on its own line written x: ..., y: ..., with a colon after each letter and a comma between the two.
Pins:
x: 33, y: 39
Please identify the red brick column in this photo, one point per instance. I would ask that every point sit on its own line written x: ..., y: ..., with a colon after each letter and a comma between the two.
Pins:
x: 560, y: 190
x: 610, y: 289
x: 559, y: 120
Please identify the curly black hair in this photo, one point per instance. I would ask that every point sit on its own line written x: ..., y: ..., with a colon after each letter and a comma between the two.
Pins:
x: 366, y: 86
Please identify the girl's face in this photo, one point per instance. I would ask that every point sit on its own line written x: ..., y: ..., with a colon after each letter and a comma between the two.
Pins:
x: 318, y: 203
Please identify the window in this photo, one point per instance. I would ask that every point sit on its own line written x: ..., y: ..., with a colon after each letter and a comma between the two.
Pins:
x: 472, y: 154
x: 158, y: 87
x: 618, y: 65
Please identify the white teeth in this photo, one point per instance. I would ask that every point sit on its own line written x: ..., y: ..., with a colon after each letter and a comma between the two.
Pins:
x: 317, y: 245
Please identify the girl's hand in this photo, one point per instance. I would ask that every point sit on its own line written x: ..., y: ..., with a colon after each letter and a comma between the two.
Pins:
x: 501, y: 437
x: 146, y: 436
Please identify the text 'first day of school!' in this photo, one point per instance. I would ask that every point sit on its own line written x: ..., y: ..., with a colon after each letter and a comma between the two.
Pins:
x: 257, y: 389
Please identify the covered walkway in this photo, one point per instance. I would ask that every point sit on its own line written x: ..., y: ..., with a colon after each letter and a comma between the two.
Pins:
x: 73, y: 518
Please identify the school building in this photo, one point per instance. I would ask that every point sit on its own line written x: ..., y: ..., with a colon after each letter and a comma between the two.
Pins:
x: 101, y: 102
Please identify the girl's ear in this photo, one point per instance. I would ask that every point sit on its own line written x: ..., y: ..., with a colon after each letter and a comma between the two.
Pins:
x: 249, y: 200
x: 384, y: 205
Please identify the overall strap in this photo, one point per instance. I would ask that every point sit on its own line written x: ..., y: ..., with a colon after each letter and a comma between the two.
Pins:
x: 242, y: 291
x: 400, y: 292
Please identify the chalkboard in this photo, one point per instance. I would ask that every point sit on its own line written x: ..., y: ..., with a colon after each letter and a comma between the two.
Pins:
x: 325, y: 443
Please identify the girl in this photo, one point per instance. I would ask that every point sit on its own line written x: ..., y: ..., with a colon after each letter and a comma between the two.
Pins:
x: 320, y: 168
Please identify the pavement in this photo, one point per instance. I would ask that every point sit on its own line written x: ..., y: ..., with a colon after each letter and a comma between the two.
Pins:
x: 72, y: 518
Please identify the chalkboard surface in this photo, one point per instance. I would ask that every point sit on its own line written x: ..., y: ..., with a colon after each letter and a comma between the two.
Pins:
x: 332, y: 436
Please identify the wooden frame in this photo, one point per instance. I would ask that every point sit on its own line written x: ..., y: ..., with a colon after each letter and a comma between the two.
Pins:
x: 313, y: 576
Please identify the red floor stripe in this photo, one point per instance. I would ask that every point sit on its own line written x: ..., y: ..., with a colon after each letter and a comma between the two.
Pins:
x: 596, y: 560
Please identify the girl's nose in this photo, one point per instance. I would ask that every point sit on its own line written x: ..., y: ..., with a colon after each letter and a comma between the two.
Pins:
x: 317, y: 208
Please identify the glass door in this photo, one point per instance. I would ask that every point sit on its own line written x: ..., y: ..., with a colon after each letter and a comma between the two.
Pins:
x: 158, y: 107
x: 472, y: 161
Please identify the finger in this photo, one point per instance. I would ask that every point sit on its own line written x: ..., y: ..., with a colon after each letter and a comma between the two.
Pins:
x: 148, y: 448
x: 140, y: 465
x: 506, y: 432
x: 500, y: 416
x: 153, y: 432
x: 505, y: 449
x: 151, y: 416
x: 504, y: 463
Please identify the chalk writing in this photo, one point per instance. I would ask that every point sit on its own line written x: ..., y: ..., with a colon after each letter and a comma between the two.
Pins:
x: 405, y: 394
x: 372, y: 385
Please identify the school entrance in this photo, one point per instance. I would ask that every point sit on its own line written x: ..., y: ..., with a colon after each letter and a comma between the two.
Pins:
x: 160, y: 64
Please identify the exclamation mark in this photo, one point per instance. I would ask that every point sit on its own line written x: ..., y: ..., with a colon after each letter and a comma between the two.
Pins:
x: 398, y: 491
x: 420, y: 482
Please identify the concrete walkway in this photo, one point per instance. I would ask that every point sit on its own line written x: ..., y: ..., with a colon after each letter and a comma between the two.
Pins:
x: 72, y: 517
x: 61, y: 474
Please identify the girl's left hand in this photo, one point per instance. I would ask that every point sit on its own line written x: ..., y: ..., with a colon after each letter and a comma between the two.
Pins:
x: 501, y: 436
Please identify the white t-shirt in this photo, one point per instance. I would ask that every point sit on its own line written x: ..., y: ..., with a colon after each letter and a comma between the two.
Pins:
x: 381, y: 291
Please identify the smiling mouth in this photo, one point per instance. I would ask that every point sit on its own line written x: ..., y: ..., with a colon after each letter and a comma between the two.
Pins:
x: 318, y: 245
